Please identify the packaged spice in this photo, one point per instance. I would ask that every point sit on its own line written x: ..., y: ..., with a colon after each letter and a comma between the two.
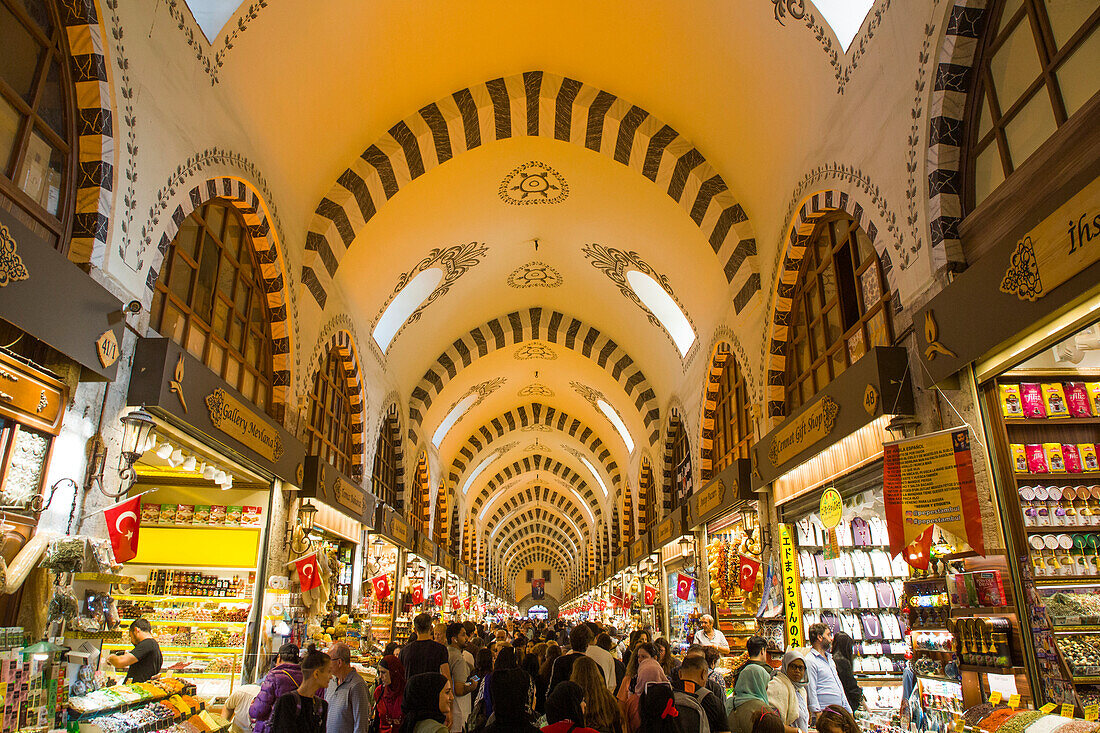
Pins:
x: 1010, y: 401
x: 202, y: 514
x: 185, y: 513
x: 1019, y: 458
x: 1071, y: 457
x: 233, y: 516
x: 1055, y: 461
x: 1055, y: 400
x: 150, y: 513
x: 1032, y: 398
x: 1077, y: 398
x: 1036, y: 459
x: 217, y: 515
x: 167, y: 513
x: 250, y: 516
x: 1087, y: 452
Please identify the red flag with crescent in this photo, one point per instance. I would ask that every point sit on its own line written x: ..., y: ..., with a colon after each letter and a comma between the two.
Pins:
x: 650, y: 595
x: 455, y: 603
x: 309, y: 572
x: 466, y: 603
x: 417, y: 594
x: 683, y: 586
x: 122, y: 528
x: 919, y: 551
x: 381, y: 585
x: 749, y: 569
x: 437, y: 598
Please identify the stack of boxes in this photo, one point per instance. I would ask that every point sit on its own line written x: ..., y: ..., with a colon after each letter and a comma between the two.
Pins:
x: 33, y: 692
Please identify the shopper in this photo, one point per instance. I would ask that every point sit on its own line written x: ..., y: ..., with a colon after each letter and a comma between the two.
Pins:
x: 693, y: 681
x: 347, y: 695
x: 460, y: 676
x: 302, y: 710
x: 664, y: 655
x: 842, y: 657
x: 512, y: 692
x: 750, y: 698
x: 835, y: 719
x: 285, y: 676
x: 424, y: 654
x: 823, y: 684
x: 602, y: 709
x: 756, y: 649
x: 426, y: 706
x: 389, y: 693
x: 144, y: 661
x: 602, y: 656
x: 710, y: 636
x: 565, y: 710
x: 236, y: 705
x: 657, y: 711
x: 787, y: 691
x: 649, y: 673
x: 579, y: 638
x: 768, y: 723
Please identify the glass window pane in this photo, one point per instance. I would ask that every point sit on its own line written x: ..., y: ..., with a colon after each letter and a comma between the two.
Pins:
x: 173, y: 323
x: 187, y: 237
x: 221, y: 317
x: 807, y: 390
x: 39, y: 13
x: 857, y: 347
x: 196, y: 340
x: 257, y: 317
x: 19, y: 61
x: 233, y: 236
x: 821, y: 376
x: 1077, y: 76
x: 215, y: 217
x: 838, y: 361
x: 870, y: 285
x: 40, y: 177
x: 819, y: 341
x: 1030, y: 128
x: 803, y: 352
x: 242, y: 296
x: 232, y: 370
x: 1015, y: 65
x: 51, y: 105
x: 179, y: 279
x: 9, y: 128
x: 236, y: 334
x: 1067, y: 17
x: 204, y: 284
x: 226, y: 272
x: 876, y: 329
x: 988, y: 172
x: 833, y: 328
x: 248, y: 382
x: 866, y: 248
x: 252, y: 351
x: 214, y: 356
x: 1011, y: 6
x: 828, y: 284
x: 985, y: 119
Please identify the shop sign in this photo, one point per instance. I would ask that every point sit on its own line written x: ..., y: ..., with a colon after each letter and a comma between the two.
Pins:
x: 639, y: 549
x: 240, y: 422
x: 733, y: 483
x: 394, y: 527
x: 668, y: 529
x: 930, y: 480
x: 106, y: 348
x: 836, y: 411
x: 323, y: 482
x: 427, y: 549
x: 792, y: 598
x: 830, y: 508
x: 30, y: 396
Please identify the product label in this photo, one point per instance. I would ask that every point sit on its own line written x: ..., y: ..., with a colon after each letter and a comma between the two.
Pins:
x: 994, y: 697
x: 1048, y: 708
x: 1014, y: 701
x: 1067, y: 710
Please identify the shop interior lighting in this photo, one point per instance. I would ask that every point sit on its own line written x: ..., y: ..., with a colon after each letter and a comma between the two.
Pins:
x: 164, y: 451
x: 42, y: 650
x: 209, y: 472
x: 686, y: 545
x: 176, y: 459
x: 189, y: 463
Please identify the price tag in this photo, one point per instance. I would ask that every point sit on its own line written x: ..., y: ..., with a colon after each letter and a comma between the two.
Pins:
x: 1048, y: 708
x: 1014, y: 701
x: 1092, y: 712
x: 959, y: 725
x: 994, y: 697
x: 1067, y: 710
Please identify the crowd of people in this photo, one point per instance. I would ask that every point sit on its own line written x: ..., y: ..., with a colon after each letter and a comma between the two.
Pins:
x: 520, y: 677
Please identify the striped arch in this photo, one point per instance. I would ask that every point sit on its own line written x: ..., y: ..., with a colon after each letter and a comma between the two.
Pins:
x: 344, y: 344
x: 441, y: 532
x: 531, y: 104
x: 521, y: 417
x: 947, y: 128
x: 536, y: 324
x: 648, y: 501
x: 95, y: 127
x: 668, y: 482
x: 629, y: 526
x: 533, y: 555
x: 550, y: 495
x: 536, y: 522
x: 243, y: 197
x: 534, y: 541
x: 391, y: 420
x: 580, y: 533
x: 420, y: 507
x: 616, y: 529
x: 530, y: 464
x: 801, y: 228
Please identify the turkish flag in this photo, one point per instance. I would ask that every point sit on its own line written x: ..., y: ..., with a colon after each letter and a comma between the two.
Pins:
x: 122, y: 528
x: 683, y: 586
x: 417, y: 594
x: 650, y: 595
x: 455, y: 603
x: 309, y: 572
x: 437, y: 598
x: 919, y: 551
x: 749, y: 569
x: 466, y: 603
x: 381, y: 585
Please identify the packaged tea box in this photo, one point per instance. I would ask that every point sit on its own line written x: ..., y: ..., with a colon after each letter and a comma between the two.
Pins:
x: 1019, y: 458
x: 1093, y: 390
x: 1056, y: 462
x: 1087, y: 451
x: 1055, y: 400
x: 1032, y: 398
x: 1077, y: 398
x: 1010, y: 401
x: 1071, y: 457
x: 1036, y: 458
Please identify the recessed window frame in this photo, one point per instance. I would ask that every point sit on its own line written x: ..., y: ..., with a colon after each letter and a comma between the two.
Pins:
x: 733, y: 430
x: 328, y: 432
x: 384, y: 473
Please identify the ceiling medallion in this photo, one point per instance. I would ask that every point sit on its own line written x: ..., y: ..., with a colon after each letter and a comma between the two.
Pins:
x: 533, y: 183
x: 535, y: 350
x: 536, y: 390
x: 535, y: 274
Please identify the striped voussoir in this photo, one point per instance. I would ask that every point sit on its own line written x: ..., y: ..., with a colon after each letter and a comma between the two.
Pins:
x: 629, y: 523
x: 801, y: 229
x: 532, y: 104
x: 504, y: 552
x: 946, y: 134
x: 535, y: 523
x: 710, y: 408
x: 590, y: 554
x: 391, y: 422
x: 242, y: 197
x: 500, y: 483
x: 532, y: 556
x: 94, y: 128
x: 536, y: 324
x: 348, y: 351
x: 616, y: 529
x: 441, y: 533
x: 668, y: 471
x: 647, y: 498
x: 520, y: 417
x: 420, y: 502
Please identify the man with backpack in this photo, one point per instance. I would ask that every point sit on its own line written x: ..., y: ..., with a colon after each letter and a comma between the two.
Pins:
x: 699, y: 709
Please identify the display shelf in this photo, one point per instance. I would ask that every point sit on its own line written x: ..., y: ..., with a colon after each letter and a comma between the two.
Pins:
x: 201, y: 675
x: 1076, y: 629
x: 938, y: 678
x: 183, y: 599
x: 1062, y: 530
x: 220, y: 650
x: 181, y: 622
x: 1046, y: 580
x: 990, y: 670
x: 1057, y: 475
x: 978, y: 610
x: 1086, y: 680
x: 1011, y: 422
x: 110, y: 578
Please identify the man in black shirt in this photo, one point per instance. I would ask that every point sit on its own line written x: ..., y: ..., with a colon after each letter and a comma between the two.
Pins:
x: 579, y: 639
x: 425, y: 654
x: 142, y: 662
x: 692, y: 680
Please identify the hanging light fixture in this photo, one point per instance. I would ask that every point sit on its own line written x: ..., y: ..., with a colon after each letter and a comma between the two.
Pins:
x: 136, y: 429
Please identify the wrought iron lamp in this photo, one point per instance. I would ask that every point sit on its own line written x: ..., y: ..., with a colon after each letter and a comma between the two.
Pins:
x: 137, y: 426
x: 307, y: 514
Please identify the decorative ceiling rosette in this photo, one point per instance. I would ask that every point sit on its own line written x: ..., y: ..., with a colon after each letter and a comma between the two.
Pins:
x: 533, y: 183
x: 535, y: 350
x: 535, y: 274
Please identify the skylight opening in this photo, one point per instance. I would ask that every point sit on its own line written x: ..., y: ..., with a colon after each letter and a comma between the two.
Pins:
x: 610, y: 413
x: 415, y: 292
x: 453, y: 416
x: 212, y: 15
x: 594, y: 473
x: 661, y: 304
x: 845, y: 17
x: 477, y: 471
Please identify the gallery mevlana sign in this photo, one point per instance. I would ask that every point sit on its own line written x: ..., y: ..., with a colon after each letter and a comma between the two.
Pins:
x: 240, y: 422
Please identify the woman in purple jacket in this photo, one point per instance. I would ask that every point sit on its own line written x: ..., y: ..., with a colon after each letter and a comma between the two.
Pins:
x: 284, y: 677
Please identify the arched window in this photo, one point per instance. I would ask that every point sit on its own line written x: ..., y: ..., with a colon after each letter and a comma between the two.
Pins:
x: 37, y: 120
x: 732, y: 419
x: 647, y: 488
x: 840, y: 307
x: 384, y: 476
x: 329, y: 431
x: 1037, y: 68
x: 680, y: 462
x: 420, y: 515
x: 210, y: 299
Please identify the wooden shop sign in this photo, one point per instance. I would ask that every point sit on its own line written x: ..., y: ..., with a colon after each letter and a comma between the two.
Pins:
x: 669, y: 529
x: 733, y: 483
x: 30, y: 396
x: 240, y: 422
x: 792, y: 596
x: 392, y: 526
x: 321, y: 481
x: 797, y: 434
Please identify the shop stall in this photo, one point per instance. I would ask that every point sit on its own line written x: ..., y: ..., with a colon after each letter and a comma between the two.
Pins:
x: 824, y: 466
x: 391, y: 611
x: 206, y: 490
x: 647, y: 608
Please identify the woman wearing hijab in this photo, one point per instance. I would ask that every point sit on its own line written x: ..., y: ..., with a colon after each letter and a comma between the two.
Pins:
x: 388, y: 694
x: 842, y: 657
x: 649, y: 670
x: 658, y: 711
x: 565, y: 710
x: 750, y: 698
x: 642, y: 652
x: 511, y: 711
x: 427, y: 704
x: 787, y: 691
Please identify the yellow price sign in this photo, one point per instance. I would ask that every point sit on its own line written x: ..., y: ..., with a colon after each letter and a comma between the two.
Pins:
x: 831, y: 508
x: 1092, y: 712
x: 994, y: 697
x: 959, y: 725
x: 1067, y: 710
x: 1014, y: 701
x: 1048, y: 708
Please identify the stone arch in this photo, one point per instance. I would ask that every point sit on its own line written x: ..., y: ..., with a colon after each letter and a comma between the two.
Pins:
x: 648, y: 503
x: 719, y: 357
x: 531, y: 524
x: 536, y: 542
x: 269, y: 256
x: 548, y: 601
x: 813, y: 207
x: 676, y: 426
x: 420, y: 498
x: 529, y: 464
x: 531, y: 104
x: 536, y: 324
x: 550, y: 493
x: 521, y: 417
x: 346, y: 348
x: 532, y: 555
x: 946, y: 128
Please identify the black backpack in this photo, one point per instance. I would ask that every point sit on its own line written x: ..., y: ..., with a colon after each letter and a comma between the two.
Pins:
x: 691, y: 714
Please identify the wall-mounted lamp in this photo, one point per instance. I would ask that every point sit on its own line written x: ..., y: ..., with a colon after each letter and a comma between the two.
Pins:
x: 903, y: 426
x: 137, y: 426
x: 307, y: 514
x: 687, y: 545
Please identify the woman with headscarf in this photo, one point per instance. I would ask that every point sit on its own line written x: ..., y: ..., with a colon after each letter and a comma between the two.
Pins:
x: 842, y: 658
x: 388, y: 694
x: 658, y: 711
x: 750, y: 698
x: 512, y: 690
x: 649, y: 670
x: 565, y: 710
x: 427, y: 704
x: 787, y: 691
x: 641, y: 652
